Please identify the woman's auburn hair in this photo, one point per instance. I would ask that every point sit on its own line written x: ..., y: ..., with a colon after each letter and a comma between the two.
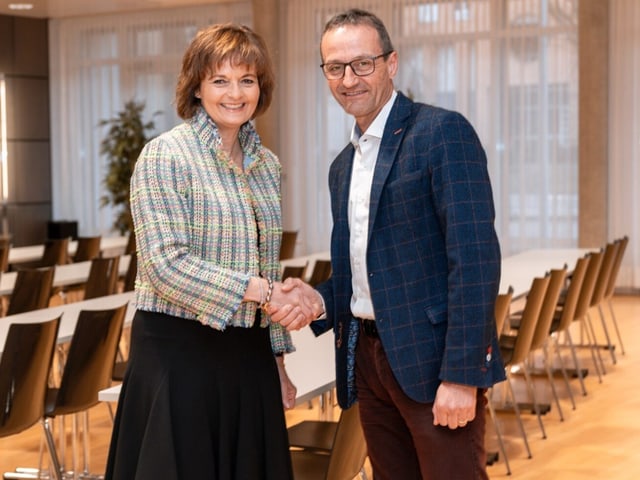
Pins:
x: 213, y: 46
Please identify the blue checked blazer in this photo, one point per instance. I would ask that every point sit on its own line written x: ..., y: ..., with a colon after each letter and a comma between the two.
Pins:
x: 433, y: 256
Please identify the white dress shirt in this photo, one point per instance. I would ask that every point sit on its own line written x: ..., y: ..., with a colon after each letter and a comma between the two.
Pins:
x: 366, y: 147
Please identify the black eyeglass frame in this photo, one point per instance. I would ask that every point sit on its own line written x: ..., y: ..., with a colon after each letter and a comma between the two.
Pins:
x: 349, y: 64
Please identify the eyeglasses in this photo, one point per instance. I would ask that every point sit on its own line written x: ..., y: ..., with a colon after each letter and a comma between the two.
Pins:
x: 360, y: 66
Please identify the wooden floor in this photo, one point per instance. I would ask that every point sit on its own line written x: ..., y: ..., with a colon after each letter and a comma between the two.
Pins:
x: 599, y: 439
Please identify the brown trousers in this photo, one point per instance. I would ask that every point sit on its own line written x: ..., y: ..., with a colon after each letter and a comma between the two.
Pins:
x: 402, y: 441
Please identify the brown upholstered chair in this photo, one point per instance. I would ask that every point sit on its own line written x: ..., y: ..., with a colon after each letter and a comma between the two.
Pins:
x: 24, y: 372
x: 87, y: 370
x: 87, y: 248
x: 343, y: 452
x: 32, y: 290
x: 288, y: 245
x: 321, y: 272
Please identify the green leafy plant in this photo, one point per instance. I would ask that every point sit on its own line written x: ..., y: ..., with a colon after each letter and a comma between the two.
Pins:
x: 122, y: 145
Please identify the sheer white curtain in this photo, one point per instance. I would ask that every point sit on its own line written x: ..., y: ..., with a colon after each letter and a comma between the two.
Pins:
x: 624, y: 134
x: 510, y: 67
x: 97, y: 65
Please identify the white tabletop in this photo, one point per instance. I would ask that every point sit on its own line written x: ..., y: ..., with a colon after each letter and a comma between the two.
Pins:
x: 69, y: 274
x: 109, y: 246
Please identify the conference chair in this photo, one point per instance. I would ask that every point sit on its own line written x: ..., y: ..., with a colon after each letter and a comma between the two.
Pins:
x: 103, y: 277
x: 288, y: 244
x: 56, y: 252
x: 32, y: 290
x: 588, y: 338
x: 131, y: 244
x: 501, y: 309
x: 321, y: 272
x: 599, y: 289
x: 4, y: 257
x: 542, y: 332
x: 563, y: 317
x: 87, y: 249
x: 516, y: 347
x: 129, y: 283
x: 342, y: 460
x: 611, y: 285
x: 24, y: 373
x: 102, y: 280
x: 293, y: 271
x: 87, y: 370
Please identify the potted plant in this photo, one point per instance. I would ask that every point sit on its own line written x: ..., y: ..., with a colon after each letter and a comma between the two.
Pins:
x: 122, y: 145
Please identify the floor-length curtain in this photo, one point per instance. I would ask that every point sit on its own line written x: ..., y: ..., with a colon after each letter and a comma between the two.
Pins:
x: 510, y: 67
x: 97, y: 65
x: 624, y: 135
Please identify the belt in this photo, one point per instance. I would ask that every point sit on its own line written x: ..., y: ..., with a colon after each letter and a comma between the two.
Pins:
x: 368, y: 327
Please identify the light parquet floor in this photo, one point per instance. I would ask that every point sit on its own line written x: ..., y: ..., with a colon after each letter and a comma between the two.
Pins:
x: 599, y: 439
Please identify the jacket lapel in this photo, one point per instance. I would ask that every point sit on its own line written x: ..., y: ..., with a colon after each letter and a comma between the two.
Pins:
x: 394, y: 132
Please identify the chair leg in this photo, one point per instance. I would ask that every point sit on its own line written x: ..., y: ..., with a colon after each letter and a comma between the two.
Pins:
x: 532, y: 394
x: 496, y: 426
x: 610, y: 345
x: 593, y: 345
x: 574, y: 355
x: 615, y: 325
x: 565, y: 376
x: 516, y: 408
x: 55, y: 462
x: 552, y: 383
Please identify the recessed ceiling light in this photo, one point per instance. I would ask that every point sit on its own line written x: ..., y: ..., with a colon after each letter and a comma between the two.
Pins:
x: 20, y: 6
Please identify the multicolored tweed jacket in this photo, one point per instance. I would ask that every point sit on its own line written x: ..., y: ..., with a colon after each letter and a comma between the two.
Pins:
x: 204, y: 226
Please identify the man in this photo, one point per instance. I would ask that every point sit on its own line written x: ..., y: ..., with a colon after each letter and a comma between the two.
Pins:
x: 415, y: 266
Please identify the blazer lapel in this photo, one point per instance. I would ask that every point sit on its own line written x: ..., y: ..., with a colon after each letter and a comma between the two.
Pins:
x: 394, y: 132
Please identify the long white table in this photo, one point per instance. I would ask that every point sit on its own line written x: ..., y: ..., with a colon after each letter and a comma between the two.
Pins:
x: 519, y: 270
x: 108, y: 246
x: 69, y: 274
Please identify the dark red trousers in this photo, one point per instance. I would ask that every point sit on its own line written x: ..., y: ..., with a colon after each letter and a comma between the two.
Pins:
x: 401, y: 439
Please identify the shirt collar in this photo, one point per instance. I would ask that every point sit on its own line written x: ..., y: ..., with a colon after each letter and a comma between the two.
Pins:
x: 376, y: 129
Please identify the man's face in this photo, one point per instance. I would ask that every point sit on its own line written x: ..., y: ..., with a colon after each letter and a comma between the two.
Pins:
x: 360, y: 96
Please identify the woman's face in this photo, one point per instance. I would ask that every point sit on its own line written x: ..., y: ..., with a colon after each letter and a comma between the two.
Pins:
x: 230, y: 94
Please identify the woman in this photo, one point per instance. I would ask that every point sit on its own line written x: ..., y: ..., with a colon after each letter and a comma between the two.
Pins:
x: 201, y: 396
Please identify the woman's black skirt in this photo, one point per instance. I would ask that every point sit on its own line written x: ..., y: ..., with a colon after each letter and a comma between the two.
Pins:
x: 199, y: 403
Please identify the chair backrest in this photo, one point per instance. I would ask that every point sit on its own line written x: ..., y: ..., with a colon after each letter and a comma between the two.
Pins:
x: 24, y: 372
x: 132, y: 271
x: 548, y: 308
x: 288, y: 245
x: 321, y: 272
x: 615, y: 268
x: 568, y: 308
x: 56, y: 252
x: 32, y: 290
x: 530, y: 315
x: 588, y: 284
x: 349, y: 449
x: 4, y: 258
x: 90, y: 360
x: 131, y: 244
x: 502, y: 306
x: 87, y: 249
x: 103, y: 277
x: 293, y: 271
x: 602, y: 280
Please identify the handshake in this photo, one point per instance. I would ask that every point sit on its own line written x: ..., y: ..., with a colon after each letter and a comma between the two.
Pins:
x: 293, y: 304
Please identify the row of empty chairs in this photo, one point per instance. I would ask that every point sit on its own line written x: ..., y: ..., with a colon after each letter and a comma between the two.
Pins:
x: 556, y: 304
x: 26, y: 397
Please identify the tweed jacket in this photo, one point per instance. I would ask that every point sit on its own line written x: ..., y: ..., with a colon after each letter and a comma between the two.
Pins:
x: 433, y: 257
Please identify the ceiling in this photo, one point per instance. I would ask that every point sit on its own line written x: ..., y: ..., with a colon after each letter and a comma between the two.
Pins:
x: 73, y: 8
